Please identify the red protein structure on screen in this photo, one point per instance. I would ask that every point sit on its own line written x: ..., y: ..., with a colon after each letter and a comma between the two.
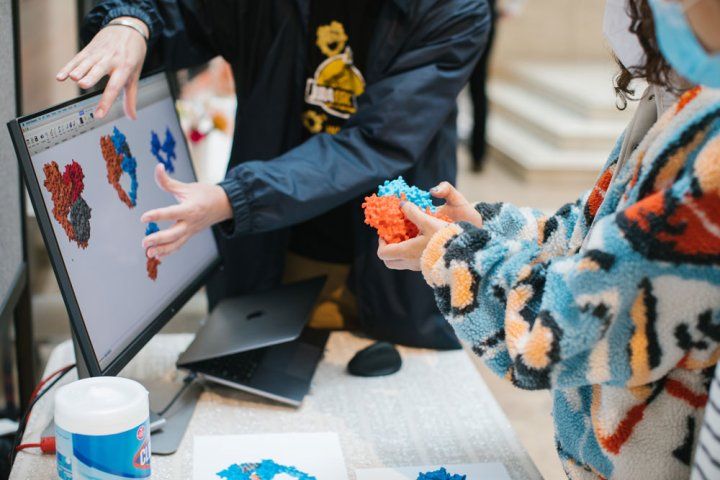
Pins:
x: 152, y: 268
x: 69, y: 208
x: 385, y: 215
x: 118, y: 159
x: 152, y: 263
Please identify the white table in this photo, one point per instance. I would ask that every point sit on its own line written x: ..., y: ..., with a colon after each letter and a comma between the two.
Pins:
x: 436, y: 410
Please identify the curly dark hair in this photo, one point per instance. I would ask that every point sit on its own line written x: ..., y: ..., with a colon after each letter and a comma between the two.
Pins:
x: 656, y: 69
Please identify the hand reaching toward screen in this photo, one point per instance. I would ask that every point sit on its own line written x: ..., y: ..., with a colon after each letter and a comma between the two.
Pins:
x: 116, y: 51
x: 456, y: 206
x: 406, y: 255
x: 200, y: 206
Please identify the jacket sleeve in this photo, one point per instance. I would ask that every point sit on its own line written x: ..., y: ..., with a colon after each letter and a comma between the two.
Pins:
x: 179, y: 34
x: 623, y: 310
x: 562, y: 232
x: 557, y: 234
x: 397, y: 117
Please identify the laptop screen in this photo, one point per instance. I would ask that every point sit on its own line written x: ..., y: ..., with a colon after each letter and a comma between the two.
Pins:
x: 96, y: 178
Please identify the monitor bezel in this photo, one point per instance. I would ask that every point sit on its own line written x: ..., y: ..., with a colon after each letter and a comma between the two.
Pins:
x: 42, y: 214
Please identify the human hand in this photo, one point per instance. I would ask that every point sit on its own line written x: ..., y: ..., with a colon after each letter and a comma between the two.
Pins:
x: 456, y: 206
x: 115, y: 51
x: 406, y: 255
x: 200, y: 206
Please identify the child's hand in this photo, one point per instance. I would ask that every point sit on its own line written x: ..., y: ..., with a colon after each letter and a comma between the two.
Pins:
x: 406, y: 255
x: 456, y: 205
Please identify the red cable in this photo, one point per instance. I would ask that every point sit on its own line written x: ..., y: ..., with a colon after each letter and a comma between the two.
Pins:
x: 46, y: 445
x: 27, y: 445
x: 42, y: 383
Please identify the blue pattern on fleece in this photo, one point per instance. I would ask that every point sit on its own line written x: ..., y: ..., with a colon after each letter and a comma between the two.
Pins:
x: 594, y: 313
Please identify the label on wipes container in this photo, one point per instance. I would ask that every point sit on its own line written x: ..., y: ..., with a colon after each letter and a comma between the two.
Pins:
x: 103, y: 457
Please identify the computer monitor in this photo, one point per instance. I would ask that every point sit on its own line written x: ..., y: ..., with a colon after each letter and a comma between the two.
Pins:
x: 90, y: 180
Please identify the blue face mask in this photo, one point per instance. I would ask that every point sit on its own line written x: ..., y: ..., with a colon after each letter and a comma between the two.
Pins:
x: 680, y: 46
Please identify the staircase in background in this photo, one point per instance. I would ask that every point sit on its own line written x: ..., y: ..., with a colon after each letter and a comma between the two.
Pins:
x: 554, y: 121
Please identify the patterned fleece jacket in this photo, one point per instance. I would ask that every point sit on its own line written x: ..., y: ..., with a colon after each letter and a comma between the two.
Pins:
x: 621, y: 320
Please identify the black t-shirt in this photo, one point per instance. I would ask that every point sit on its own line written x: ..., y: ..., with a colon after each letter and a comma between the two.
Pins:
x: 339, y: 34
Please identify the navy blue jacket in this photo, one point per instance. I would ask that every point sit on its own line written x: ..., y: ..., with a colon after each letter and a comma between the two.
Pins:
x: 421, y: 55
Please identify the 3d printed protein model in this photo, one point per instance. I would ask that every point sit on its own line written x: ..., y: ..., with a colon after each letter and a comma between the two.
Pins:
x: 167, y: 149
x: 441, y: 474
x: 399, y: 187
x: 152, y: 263
x: 385, y: 215
x: 69, y: 208
x: 383, y: 212
x: 119, y: 160
x: 265, y: 470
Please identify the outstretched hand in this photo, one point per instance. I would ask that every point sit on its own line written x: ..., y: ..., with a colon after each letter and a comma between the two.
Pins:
x: 115, y: 51
x: 199, y: 206
x: 406, y: 255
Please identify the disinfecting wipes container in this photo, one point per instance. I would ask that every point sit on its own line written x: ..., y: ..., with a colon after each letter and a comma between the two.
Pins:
x: 102, y: 430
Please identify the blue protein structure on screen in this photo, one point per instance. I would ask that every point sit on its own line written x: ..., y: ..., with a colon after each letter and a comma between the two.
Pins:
x: 152, y: 227
x: 399, y: 187
x: 152, y: 264
x: 129, y: 164
x: 119, y: 161
x: 441, y: 474
x: 265, y: 470
x: 165, y: 152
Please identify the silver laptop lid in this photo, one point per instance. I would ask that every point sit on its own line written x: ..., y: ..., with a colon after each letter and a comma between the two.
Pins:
x: 254, y: 321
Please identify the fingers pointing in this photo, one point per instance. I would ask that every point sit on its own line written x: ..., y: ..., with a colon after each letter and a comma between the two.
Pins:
x: 163, y: 251
x: 98, y: 71
x: 131, y: 97
x: 165, y: 182
x: 70, y: 66
x: 117, y: 81
x: 172, y: 213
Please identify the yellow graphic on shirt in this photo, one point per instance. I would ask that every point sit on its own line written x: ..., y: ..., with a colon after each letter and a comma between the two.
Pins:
x: 331, y: 39
x: 314, y: 121
x: 337, y: 82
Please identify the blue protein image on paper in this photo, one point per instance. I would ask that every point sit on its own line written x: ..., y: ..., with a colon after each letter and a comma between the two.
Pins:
x: 441, y: 474
x: 129, y: 164
x: 165, y: 152
x: 265, y: 470
x: 413, y: 194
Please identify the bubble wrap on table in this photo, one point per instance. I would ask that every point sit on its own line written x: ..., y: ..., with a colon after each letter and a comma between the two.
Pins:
x: 436, y: 410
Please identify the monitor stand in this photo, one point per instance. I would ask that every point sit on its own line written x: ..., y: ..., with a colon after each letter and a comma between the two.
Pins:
x: 167, y: 431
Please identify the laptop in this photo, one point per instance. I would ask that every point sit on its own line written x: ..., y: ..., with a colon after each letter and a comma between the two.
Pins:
x: 260, y: 343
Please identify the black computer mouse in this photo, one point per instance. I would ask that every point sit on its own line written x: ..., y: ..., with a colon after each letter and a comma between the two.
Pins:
x: 377, y: 360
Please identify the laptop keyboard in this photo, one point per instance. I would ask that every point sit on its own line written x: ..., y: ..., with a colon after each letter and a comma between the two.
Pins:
x: 237, y: 368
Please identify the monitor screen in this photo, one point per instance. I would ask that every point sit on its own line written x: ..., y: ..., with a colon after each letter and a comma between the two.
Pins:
x: 96, y: 178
